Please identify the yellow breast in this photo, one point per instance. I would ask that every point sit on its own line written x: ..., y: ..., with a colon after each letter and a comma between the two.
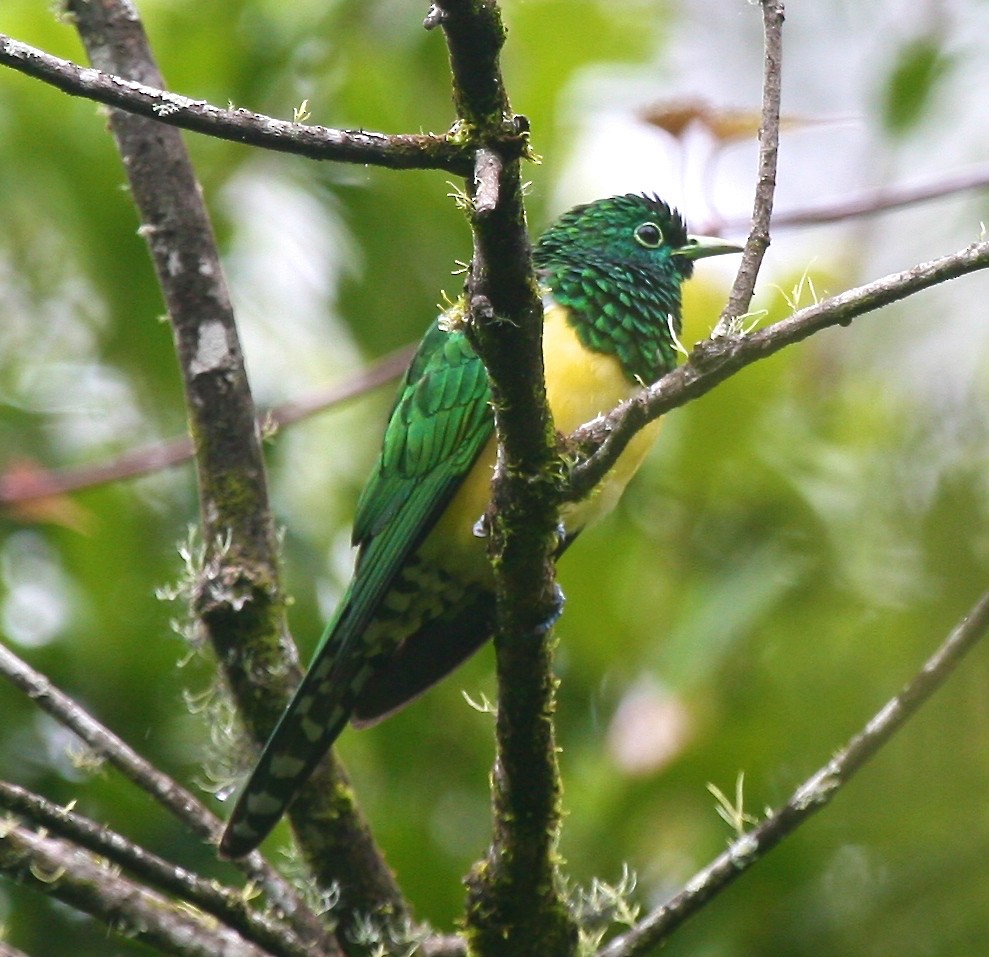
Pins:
x: 580, y: 385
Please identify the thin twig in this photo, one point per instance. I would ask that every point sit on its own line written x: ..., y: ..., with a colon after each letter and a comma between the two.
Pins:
x: 21, y: 485
x: 105, y: 744
x: 769, y: 137
x: 394, y: 151
x: 874, y: 201
x: 814, y: 794
x: 227, y: 905
x: 379, y: 373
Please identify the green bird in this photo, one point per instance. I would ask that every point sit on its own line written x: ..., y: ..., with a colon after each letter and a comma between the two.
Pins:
x: 422, y: 596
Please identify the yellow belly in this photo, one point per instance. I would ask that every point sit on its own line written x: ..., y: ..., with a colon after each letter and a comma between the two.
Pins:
x: 580, y: 385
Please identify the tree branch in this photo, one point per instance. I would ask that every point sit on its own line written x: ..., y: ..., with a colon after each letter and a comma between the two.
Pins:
x: 814, y: 794
x: 21, y: 485
x: 514, y: 896
x: 714, y: 360
x: 769, y: 137
x: 86, y: 883
x: 226, y: 905
x: 105, y: 744
x: 168, y: 793
x: 238, y: 598
x: 150, y: 100
x: 874, y: 201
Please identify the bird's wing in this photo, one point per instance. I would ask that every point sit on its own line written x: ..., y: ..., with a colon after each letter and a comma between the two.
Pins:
x: 440, y: 422
x: 438, y: 425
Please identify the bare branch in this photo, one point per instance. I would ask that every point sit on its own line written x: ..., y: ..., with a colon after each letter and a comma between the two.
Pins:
x: 381, y: 371
x: 769, y: 137
x: 814, y: 794
x: 168, y: 793
x: 105, y: 744
x: 394, y: 151
x: 873, y: 201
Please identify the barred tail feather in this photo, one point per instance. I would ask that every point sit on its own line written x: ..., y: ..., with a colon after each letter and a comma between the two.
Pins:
x: 362, y: 634
x: 312, y: 722
x: 424, y: 657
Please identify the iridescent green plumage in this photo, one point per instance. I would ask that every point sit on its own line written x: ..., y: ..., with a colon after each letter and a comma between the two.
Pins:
x: 624, y: 295
x: 421, y: 599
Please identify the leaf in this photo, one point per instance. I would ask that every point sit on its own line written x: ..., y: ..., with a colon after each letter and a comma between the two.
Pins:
x: 725, y: 124
x: 920, y: 68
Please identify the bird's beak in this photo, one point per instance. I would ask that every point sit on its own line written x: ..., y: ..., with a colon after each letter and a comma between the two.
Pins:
x: 700, y: 247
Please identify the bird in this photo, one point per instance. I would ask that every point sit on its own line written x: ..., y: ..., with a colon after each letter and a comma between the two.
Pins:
x: 421, y: 599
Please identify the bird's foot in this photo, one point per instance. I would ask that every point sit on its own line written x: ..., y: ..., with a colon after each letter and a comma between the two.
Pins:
x: 559, y: 600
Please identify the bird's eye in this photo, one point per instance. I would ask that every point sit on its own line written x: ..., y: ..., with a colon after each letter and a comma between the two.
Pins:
x: 648, y: 235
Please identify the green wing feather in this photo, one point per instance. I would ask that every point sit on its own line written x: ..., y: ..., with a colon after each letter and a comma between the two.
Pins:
x: 440, y: 422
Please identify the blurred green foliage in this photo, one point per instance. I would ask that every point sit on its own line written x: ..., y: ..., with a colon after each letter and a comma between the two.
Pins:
x: 920, y: 66
x: 799, y: 542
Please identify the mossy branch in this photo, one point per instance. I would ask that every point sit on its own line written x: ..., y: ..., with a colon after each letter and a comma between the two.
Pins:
x: 515, y: 905
x: 226, y: 904
x: 85, y: 882
x: 151, y: 100
x: 238, y: 598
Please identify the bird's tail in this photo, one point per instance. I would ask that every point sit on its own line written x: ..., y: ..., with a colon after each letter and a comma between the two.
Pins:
x: 312, y: 722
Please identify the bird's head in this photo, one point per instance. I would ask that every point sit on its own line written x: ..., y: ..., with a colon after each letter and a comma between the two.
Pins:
x: 617, y: 266
x: 634, y: 230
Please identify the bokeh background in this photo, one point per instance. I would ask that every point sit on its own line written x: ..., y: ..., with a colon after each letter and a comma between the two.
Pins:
x: 799, y: 541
